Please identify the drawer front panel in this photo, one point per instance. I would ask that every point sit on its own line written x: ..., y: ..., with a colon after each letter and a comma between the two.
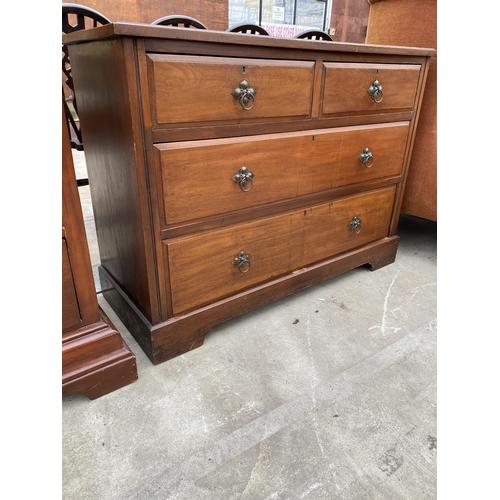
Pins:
x: 201, y: 268
x: 189, y: 89
x: 346, y: 87
x: 197, y: 176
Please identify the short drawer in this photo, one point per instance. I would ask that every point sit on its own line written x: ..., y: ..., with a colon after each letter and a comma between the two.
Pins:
x: 197, y: 176
x: 346, y: 87
x: 188, y: 89
x: 205, y: 267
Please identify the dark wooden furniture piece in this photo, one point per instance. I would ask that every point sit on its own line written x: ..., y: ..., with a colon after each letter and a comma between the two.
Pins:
x: 95, y: 359
x: 228, y: 171
x: 314, y: 35
x: 180, y: 22
x: 85, y: 18
x: 249, y: 29
x: 414, y: 23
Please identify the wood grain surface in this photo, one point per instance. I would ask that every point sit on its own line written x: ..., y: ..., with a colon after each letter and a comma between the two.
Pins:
x: 192, y: 89
x: 200, y: 266
x: 346, y: 87
x: 197, y: 175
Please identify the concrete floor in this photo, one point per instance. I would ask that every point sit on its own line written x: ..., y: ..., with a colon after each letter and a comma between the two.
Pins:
x: 327, y: 394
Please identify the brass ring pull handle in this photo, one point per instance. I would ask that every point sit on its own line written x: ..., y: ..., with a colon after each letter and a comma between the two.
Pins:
x: 376, y: 92
x: 244, y: 178
x: 355, y: 225
x: 242, y: 261
x: 245, y: 94
x: 366, y: 158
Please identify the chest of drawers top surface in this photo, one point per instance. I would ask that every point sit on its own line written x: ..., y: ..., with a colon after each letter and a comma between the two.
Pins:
x: 228, y: 170
x: 140, y: 30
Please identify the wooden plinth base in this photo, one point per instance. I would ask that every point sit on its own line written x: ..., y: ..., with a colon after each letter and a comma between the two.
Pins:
x: 183, y: 333
x: 96, y: 360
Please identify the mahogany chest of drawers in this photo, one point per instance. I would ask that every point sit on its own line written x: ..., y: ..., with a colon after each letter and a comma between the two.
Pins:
x: 229, y: 170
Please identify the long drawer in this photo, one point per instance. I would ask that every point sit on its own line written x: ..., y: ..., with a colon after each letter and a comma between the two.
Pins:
x: 188, y: 89
x: 197, y: 176
x: 346, y: 88
x: 213, y: 265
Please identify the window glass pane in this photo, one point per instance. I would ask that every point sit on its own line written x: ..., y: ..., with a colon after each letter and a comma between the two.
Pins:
x: 310, y: 13
x: 244, y: 11
x: 277, y: 11
x: 279, y: 16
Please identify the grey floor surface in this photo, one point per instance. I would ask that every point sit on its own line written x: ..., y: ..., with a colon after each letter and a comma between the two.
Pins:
x: 327, y: 394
